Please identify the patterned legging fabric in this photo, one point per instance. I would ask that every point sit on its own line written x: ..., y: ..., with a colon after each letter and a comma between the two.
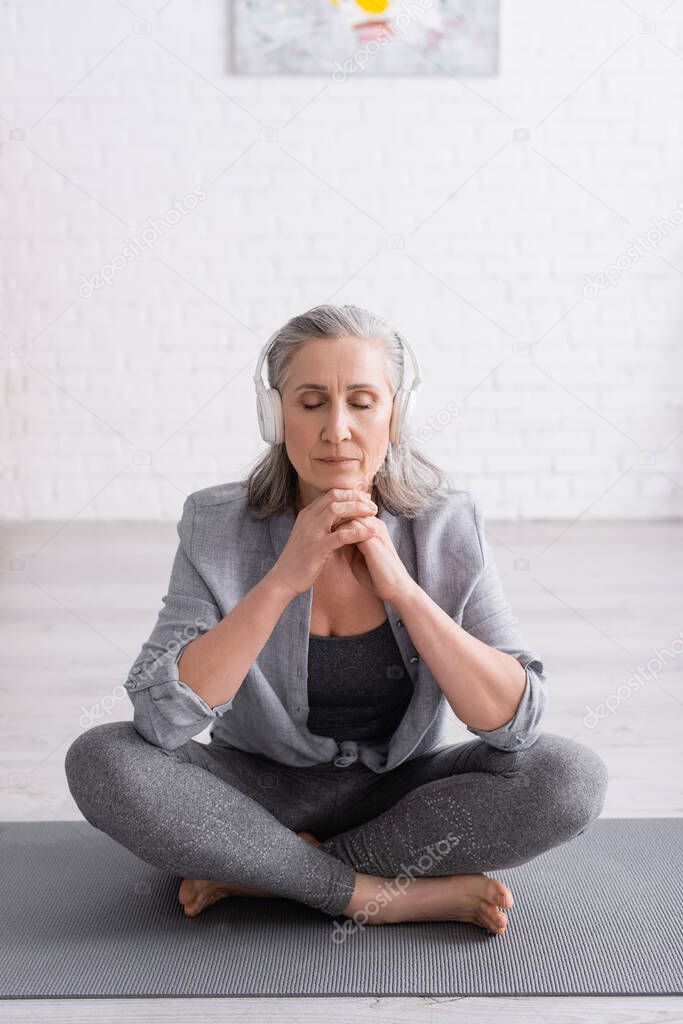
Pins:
x: 215, y: 812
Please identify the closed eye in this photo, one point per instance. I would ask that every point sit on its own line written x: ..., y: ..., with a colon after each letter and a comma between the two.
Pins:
x: 354, y: 404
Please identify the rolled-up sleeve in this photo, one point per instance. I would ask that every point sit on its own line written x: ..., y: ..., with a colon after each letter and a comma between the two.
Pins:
x: 166, y: 711
x: 488, y: 617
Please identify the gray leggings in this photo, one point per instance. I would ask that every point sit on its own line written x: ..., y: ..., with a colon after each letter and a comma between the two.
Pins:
x: 211, y: 811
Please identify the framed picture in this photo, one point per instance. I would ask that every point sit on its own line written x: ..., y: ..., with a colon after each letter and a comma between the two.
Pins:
x: 343, y: 38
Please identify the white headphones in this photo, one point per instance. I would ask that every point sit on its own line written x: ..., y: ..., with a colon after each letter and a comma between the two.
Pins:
x: 269, y: 403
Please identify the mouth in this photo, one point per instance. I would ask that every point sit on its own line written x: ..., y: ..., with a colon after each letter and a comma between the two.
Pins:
x: 337, y: 462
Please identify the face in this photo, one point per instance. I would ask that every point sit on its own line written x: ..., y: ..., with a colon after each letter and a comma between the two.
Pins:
x: 326, y: 414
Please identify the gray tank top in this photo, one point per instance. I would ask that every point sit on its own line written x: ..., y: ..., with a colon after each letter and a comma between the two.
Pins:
x: 358, y: 686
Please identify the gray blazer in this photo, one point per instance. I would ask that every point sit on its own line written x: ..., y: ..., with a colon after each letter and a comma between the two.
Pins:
x: 224, y: 552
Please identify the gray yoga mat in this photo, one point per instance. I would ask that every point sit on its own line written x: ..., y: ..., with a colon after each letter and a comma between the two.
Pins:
x: 81, y: 916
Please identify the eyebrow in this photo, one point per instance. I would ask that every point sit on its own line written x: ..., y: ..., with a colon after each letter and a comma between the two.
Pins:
x: 321, y: 387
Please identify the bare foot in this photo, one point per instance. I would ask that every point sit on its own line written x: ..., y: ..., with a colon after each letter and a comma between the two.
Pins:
x: 473, y: 898
x: 310, y: 839
x: 197, y: 893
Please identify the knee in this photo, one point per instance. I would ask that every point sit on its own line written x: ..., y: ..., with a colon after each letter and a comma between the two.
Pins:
x: 94, y: 755
x: 572, y: 782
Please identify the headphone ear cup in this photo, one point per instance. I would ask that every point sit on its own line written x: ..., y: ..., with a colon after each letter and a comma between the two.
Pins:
x: 396, y: 423
x: 270, y: 418
x: 409, y: 412
x: 278, y: 418
x: 404, y: 405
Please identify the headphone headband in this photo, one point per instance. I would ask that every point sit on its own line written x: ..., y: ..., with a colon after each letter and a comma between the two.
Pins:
x: 417, y: 379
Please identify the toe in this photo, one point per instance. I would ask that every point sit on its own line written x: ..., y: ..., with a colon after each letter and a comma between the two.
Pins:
x: 495, y: 920
x: 499, y: 894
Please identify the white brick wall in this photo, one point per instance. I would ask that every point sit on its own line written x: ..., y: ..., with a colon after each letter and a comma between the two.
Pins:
x: 496, y: 234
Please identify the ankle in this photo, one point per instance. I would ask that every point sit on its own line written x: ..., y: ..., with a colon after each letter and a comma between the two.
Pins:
x: 373, y: 897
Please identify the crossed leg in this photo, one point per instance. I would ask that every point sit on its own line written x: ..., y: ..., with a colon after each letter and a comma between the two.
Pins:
x: 465, y: 810
x: 207, y: 815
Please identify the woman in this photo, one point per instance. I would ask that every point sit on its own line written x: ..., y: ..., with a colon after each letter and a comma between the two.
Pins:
x: 329, y: 667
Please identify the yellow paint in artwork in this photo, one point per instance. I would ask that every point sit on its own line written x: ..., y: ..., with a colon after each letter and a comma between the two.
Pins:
x: 371, y: 6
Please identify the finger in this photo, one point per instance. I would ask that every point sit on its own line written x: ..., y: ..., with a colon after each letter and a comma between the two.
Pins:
x: 350, y: 533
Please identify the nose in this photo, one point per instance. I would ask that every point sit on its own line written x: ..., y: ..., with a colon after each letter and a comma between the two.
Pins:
x: 336, y: 423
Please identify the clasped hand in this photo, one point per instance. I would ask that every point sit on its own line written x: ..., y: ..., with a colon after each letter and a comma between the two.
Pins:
x: 375, y: 562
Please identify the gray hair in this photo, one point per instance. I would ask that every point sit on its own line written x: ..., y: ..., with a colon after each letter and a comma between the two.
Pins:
x: 406, y: 482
